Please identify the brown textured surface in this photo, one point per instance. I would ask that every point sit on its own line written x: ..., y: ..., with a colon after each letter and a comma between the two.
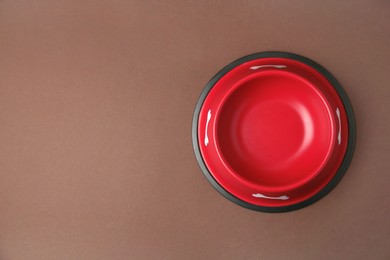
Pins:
x: 96, y: 101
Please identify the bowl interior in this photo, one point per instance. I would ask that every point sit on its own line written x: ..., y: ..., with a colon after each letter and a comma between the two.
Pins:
x: 275, y: 130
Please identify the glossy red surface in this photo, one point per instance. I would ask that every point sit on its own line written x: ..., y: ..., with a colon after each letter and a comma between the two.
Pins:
x: 269, y: 131
x: 275, y: 130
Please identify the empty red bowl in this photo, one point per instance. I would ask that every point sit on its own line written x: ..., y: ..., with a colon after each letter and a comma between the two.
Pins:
x: 273, y: 131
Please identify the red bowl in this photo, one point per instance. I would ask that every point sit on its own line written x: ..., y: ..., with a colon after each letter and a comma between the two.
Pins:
x: 273, y: 131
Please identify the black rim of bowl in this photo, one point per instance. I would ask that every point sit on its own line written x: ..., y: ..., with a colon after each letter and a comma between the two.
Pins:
x: 351, y: 133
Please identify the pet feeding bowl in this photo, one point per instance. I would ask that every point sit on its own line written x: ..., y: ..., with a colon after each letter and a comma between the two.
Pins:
x: 273, y: 131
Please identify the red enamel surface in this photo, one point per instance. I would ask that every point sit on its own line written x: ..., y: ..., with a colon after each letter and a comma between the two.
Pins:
x: 272, y: 131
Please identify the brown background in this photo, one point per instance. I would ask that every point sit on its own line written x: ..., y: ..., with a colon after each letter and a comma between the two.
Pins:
x: 96, y: 102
